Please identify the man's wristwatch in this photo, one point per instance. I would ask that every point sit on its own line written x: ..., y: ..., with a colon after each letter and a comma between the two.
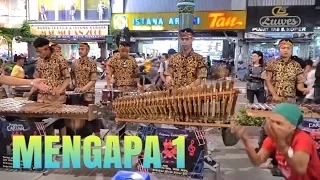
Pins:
x: 290, y: 152
x: 31, y: 83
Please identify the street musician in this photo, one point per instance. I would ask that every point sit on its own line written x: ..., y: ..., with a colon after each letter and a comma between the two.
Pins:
x: 53, y: 67
x: 122, y: 72
x: 187, y: 68
x: 84, y: 77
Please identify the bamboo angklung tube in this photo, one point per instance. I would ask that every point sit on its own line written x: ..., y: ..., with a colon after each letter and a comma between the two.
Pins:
x: 209, y: 103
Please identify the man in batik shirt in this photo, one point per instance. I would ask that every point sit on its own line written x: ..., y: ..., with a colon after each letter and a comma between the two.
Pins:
x: 187, y: 68
x: 84, y: 77
x: 122, y: 72
x: 284, y: 76
x: 123, y: 69
x: 52, y: 67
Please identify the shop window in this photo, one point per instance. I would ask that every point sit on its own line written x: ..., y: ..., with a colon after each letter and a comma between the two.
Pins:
x: 270, y: 50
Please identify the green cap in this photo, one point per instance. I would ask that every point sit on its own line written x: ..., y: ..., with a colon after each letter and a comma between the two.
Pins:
x: 291, y: 112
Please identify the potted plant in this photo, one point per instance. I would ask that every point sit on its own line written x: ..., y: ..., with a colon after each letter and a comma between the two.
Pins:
x: 253, y: 124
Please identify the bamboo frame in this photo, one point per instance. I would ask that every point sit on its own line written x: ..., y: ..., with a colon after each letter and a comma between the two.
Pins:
x: 170, y: 122
x: 262, y: 113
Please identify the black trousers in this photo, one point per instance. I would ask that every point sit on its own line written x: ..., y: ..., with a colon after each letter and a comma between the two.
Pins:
x: 260, y: 94
x: 317, y: 95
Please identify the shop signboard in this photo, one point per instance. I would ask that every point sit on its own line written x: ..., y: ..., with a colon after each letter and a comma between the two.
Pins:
x: 278, y: 35
x: 215, y: 20
x: 71, y: 10
x: 280, y: 19
x: 70, y: 31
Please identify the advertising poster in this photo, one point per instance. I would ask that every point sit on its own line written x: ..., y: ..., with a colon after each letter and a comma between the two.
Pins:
x: 194, y: 151
x: 16, y: 128
x: 46, y: 10
x: 69, y: 10
x: 312, y: 127
x: 97, y: 10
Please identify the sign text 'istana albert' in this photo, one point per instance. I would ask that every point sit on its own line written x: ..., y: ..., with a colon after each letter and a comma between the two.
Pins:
x: 170, y: 21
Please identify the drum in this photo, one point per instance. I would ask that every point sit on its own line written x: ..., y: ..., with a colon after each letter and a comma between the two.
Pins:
x: 109, y: 95
x: 74, y: 98
x: 76, y: 126
x: 20, y: 90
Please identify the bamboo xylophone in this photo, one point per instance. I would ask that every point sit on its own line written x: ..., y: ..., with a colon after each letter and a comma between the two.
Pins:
x: 264, y: 110
x: 202, y: 105
x: 19, y: 107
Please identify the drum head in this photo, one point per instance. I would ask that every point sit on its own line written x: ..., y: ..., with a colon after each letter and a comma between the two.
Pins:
x: 72, y: 93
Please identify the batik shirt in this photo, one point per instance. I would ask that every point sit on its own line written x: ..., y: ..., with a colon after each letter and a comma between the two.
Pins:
x: 55, y: 71
x: 124, y: 71
x: 84, y: 71
x: 186, y: 70
x: 284, y: 76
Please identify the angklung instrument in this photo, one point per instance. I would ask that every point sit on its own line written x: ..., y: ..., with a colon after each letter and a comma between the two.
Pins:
x: 25, y: 108
x: 264, y: 110
x: 207, y: 105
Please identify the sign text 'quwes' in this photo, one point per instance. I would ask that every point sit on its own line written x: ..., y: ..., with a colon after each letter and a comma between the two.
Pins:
x: 280, y: 21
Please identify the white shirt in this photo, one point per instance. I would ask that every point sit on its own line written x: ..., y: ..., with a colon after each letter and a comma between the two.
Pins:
x: 310, y: 82
x: 161, y: 69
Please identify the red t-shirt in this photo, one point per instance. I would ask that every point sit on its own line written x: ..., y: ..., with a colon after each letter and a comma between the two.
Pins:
x: 301, y: 142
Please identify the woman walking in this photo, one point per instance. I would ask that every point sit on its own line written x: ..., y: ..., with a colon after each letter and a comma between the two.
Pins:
x: 255, y: 84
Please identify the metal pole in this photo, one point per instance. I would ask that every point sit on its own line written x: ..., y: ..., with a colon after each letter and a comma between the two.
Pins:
x: 110, y: 16
x: 186, y: 18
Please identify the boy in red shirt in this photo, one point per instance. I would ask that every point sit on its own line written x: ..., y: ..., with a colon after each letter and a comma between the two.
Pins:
x: 295, y: 150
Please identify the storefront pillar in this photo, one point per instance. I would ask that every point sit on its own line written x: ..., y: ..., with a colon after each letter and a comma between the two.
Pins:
x: 66, y: 51
x: 82, y: 15
x: 32, y: 54
x: 103, y: 50
x: 56, y: 11
x: 186, y: 18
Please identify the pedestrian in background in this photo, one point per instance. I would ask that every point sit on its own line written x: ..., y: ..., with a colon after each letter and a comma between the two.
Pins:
x: 255, y: 84
x: 310, y: 74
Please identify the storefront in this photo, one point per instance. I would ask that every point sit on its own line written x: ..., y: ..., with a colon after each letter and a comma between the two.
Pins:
x: 315, y: 45
x: 157, y: 32
x: 69, y: 22
x: 267, y: 25
x: 70, y: 35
